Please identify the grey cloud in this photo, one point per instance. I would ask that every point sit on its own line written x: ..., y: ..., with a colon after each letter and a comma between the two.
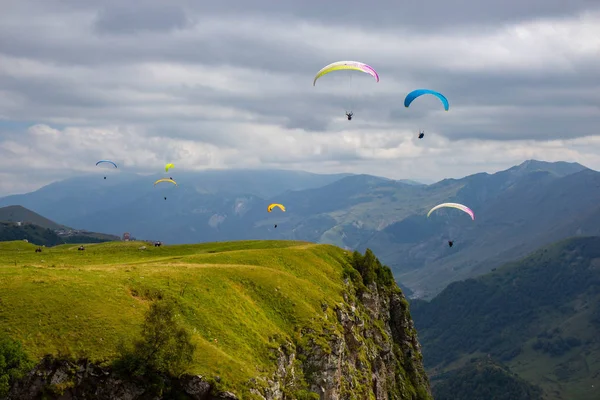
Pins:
x: 130, y: 18
x: 423, y: 15
x: 426, y: 15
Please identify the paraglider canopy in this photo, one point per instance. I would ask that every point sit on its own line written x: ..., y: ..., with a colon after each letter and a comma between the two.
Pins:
x: 461, y: 207
x: 420, y: 92
x: 165, y: 180
x: 107, y: 161
x: 168, y: 167
x: 346, y: 65
x: 271, y: 206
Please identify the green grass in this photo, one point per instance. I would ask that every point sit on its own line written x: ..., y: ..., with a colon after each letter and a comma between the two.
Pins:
x: 234, y: 297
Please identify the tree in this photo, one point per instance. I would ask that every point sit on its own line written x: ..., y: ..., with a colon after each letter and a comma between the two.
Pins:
x: 165, y: 345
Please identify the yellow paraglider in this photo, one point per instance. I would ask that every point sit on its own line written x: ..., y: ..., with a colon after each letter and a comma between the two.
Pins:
x: 168, y: 167
x: 165, y: 180
x: 271, y: 206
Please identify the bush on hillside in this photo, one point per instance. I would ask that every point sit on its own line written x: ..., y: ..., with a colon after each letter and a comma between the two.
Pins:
x: 14, y: 363
x: 165, y: 346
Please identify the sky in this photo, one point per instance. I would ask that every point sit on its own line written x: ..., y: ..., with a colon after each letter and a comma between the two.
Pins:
x: 229, y: 85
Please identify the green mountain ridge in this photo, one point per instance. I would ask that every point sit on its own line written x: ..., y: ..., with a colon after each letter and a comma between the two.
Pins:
x: 484, y: 379
x: 539, y: 315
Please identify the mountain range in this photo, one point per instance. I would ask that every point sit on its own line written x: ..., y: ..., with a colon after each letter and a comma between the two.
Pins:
x: 516, y: 211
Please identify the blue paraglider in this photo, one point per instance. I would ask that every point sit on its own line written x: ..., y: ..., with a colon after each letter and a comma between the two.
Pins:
x: 419, y: 92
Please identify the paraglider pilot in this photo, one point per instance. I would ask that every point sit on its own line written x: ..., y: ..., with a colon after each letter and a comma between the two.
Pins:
x: 104, y: 177
x: 275, y: 225
x: 421, y: 134
x: 349, y: 115
x: 450, y: 243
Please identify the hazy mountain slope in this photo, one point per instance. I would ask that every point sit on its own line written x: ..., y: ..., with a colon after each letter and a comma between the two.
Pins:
x: 540, y: 315
x: 513, y: 217
x: 77, y: 197
x: 22, y: 214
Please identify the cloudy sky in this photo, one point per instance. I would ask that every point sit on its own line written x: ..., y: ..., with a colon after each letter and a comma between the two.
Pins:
x: 208, y: 84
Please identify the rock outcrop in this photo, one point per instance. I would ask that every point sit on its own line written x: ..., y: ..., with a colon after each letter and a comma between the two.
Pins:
x: 69, y: 380
x: 370, y: 351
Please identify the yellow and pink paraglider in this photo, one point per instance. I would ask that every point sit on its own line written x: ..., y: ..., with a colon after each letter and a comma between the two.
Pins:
x: 347, y: 66
x: 458, y: 206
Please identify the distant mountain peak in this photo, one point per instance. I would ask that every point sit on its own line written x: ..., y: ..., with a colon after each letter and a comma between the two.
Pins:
x: 560, y: 168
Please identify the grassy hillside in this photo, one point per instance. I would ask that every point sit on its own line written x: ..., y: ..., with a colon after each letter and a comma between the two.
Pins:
x: 539, y: 315
x: 236, y: 297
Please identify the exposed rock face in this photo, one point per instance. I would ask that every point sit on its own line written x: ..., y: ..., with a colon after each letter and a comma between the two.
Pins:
x: 365, y: 347
x: 370, y: 352
x: 65, y: 380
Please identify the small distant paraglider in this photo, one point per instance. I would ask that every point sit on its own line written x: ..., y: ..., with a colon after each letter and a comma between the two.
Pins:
x: 165, y: 180
x: 421, y: 134
x: 108, y: 162
x: 272, y: 206
x: 461, y: 207
x: 168, y: 167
